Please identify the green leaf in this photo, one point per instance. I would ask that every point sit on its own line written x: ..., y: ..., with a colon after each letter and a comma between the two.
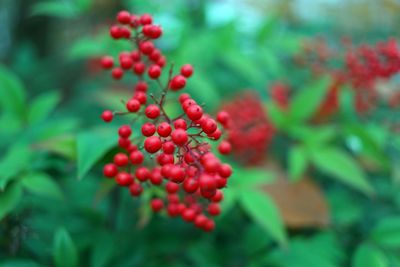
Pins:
x: 61, y: 9
x: 278, y: 117
x: 341, y: 166
x: 41, y: 184
x: 19, y: 263
x: 250, y: 177
x: 12, y: 93
x: 103, y: 250
x: 387, y: 232
x: 16, y: 160
x: 306, y: 102
x: 242, y: 65
x: 64, y: 250
x: 263, y: 211
x: 298, y: 161
x: 61, y: 145
x: 42, y: 106
x: 368, y: 256
x: 91, y: 146
x: 9, y: 199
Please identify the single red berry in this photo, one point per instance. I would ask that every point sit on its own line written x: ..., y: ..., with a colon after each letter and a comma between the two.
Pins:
x: 136, y: 157
x: 155, y: 177
x: 164, y: 129
x: 152, y: 144
x: 125, y: 131
x: 194, y: 112
x: 141, y: 97
x: 188, y: 214
x: 183, y: 97
x: 180, y: 124
x: 124, y: 142
x: 117, y: 73
x: 107, y: 62
x: 207, y: 182
x: 124, y: 179
x: 223, y: 117
x: 179, y: 137
x: 110, y: 170
x: 173, y: 210
x: 168, y: 147
x: 217, y: 197
x: 209, y: 126
x: 157, y: 204
x: 146, y: 19
x: 161, y: 61
x: 190, y: 185
x: 121, y: 159
x: 139, y: 68
x: 148, y: 129
x: 154, y: 71
x: 146, y: 47
x: 152, y: 111
x: 136, y: 189
x: 177, y: 82
x: 133, y: 105
x: 135, y: 21
x: 187, y: 70
x: 215, y: 135
x: 214, y: 209
x: 221, y: 182
x: 224, y: 148
x: 177, y: 174
x: 225, y: 170
x: 164, y: 159
x: 135, y: 55
x: 115, y: 32
x: 155, y: 56
x: 200, y: 221
x: 209, y: 225
x: 126, y: 62
x: 187, y: 103
x: 171, y: 187
x: 124, y: 17
x: 142, y: 174
x: 107, y: 116
x: 141, y: 86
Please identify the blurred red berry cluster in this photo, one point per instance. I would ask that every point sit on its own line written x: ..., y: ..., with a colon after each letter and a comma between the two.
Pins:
x: 250, y: 132
x: 172, y: 153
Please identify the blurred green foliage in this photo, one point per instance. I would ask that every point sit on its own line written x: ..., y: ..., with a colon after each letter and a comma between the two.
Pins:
x: 57, y: 210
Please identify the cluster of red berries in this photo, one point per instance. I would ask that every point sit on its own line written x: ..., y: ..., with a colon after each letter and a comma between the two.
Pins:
x: 171, y: 153
x: 251, y: 132
x: 362, y: 68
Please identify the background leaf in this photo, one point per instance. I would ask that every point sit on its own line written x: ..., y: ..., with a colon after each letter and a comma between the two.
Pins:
x: 64, y: 250
x: 297, y: 162
x: 9, y: 199
x: 41, y: 184
x: 368, y: 256
x: 387, y: 232
x: 42, y: 106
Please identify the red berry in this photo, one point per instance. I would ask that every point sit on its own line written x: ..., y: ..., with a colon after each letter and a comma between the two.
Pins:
x: 124, y: 142
x: 142, y: 174
x: 209, y: 225
x: 187, y: 70
x: 179, y: 137
x: 154, y: 71
x: 124, y: 179
x: 178, y: 82
x: 148, y: 129
x: 146, y: 47
x: 168, y: 147
x: 135, y: 55
x: 136, y: 189
x: 209, y: 126
x: 141, y: 97
x: 155, y: 177
x: 164, y: 129
x: 107, y: 116
x: 125, y: 131
x: 117, y: 73
x: 121, y: 159
x: 171, y: 187
x: 155, y: 56
x: 207, y: 182
x: 177, y: 174
x: 180, y: 124
x: 223, y: 117
x: 194, y: 112
x: 215, y: 135
x: 141, y: 86
x: 183, y: 97
x: 133, y: 105
x: 146, y: 19
x: 115, y: 32
x: 200, y: 221
x: 188, y: 214
x: 124, y: 17
x: 161, y: 61
x: 224, y: 147
x: 218, y: 196
x: 187, y: 103
x: 152, y: 111
x: 110, y: 170
x: 225, y: 170
x: 152, y: 144
x: 126, y: 62
x: 214, y: 209
x: 136, y: 157
x: 157, y: 204
x: 139, y: 68
x: 190, y: 185
x: 107, y: 62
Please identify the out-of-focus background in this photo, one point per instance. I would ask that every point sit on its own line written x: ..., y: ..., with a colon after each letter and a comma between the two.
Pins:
x: 313, y: 88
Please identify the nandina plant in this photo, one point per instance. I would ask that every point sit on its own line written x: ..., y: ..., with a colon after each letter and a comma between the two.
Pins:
x: 166, y: 152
